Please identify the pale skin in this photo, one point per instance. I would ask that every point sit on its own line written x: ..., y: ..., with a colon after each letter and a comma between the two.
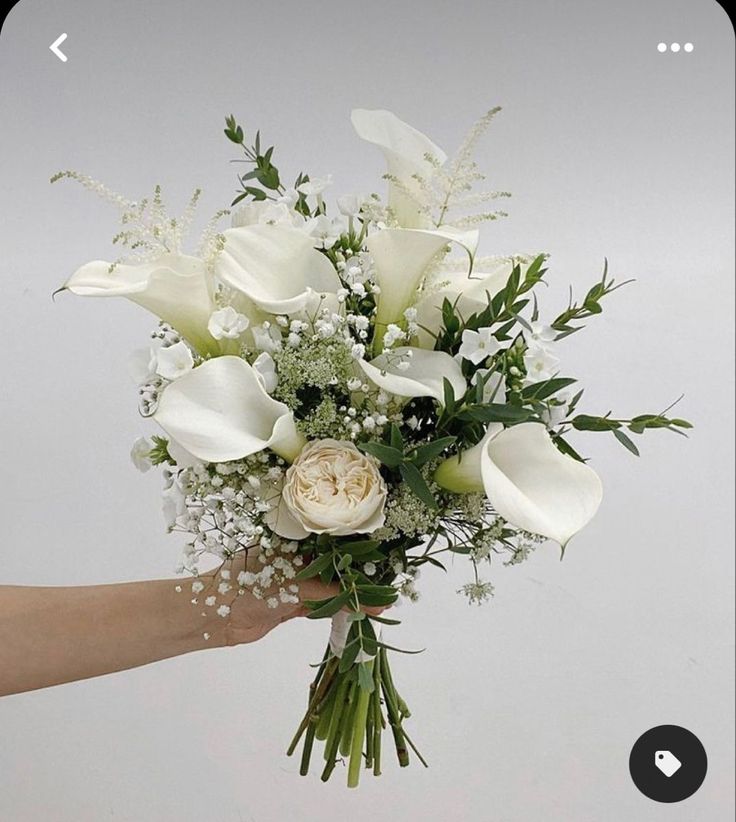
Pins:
x: 53, y: 635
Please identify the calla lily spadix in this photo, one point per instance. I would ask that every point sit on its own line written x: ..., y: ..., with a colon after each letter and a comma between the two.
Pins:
x: 275, y: 266
x: 424, y: 376
x: 174, y: 287
x: 528, y: 481
x: 401, y: 257
x: 405, y: 150
x: 219, y: 411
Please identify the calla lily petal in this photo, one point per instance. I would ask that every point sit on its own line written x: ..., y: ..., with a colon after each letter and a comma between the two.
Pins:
x: 405, y: 150
x: 423, y: 378
x: 220, y: 412
x: 469, y: 294
x: 275, y: 266
x: 401, y: 257
x: 528, y: 481
x: 174, y: 287
x: 533, y: 485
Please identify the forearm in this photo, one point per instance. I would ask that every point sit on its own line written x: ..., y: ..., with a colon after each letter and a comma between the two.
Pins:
x: 57, y: 634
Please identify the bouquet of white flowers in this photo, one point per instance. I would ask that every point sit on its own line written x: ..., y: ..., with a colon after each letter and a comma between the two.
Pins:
x: 350, y: 397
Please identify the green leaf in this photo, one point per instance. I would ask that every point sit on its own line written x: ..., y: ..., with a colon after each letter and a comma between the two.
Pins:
x: 626, y: 441
x: 399, y: 650
x: 448, y: 393
x: 323, y: 561
x: 546, y: 388
x: 349, y: 654
x: 397, y: 441
x: 385, y: 454
x: 497, y: 412
x: 428, y: 451
x: 416, y: 482
x: 358, y: 547
x: 327, y: 607
x: 584, y: 422
x: 385, y: 620
x: 365, y: 677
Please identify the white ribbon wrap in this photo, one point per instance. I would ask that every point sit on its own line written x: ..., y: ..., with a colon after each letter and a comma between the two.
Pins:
x: 339, y: 636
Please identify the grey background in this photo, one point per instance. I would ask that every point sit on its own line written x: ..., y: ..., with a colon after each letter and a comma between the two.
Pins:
x: 526, y: 708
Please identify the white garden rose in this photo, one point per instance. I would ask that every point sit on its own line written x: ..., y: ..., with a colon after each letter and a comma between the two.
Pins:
x: 333, y: 488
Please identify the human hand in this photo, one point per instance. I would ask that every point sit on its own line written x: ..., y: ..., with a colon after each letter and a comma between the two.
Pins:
x: 250, y: 618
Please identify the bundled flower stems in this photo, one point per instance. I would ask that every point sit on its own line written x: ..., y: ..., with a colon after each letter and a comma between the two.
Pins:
x: 348, y: 395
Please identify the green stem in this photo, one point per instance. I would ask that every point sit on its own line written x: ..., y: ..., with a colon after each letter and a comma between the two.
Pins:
x: 348, y: 726
x: 320, y: 691
x: 359, y: 724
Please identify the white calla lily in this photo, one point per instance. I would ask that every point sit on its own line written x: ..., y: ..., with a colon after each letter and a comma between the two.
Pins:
x: 528, y: 480
x: 414, y: 372
x: 220, y: 412
x: 275, y: 266
x: 468, y: 293
x: 174, y: 287
x: 400, y: 258
x: 405, y: 150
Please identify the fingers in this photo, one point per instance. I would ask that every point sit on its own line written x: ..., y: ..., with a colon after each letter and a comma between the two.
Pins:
x: 314, y: 589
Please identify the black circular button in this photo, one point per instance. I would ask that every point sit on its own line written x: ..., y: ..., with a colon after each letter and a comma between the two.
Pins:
x: 668, y: 763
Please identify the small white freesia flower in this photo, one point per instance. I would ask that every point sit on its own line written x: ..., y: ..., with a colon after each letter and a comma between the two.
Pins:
x: 323, y: 231
x: 267, y: 337
x: 174, y: 361
x: 139, y: 454
x: 290, y: 197
x: 478, y: 345
x: 223, y: 610
x: 541, y: 333
x: 265, y: 369
x: 350, y: 204
x: 494, y: 388
x: 142, y: 365
x: 316, y: 186
x: 226, y: 323
x: 540, y: 363
x: 264, y: 212
x: 173, y: 502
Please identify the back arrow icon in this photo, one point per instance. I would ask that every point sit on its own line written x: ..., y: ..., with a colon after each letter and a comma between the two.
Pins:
x: 57, y: 51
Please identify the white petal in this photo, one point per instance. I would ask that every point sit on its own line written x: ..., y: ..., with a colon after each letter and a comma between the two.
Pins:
x: 174, y: 287
x: 275, y: 266
x: 405, y: 150
x: 423, y: 378
x: 534, y: 486
x: 174, y: 361
x: 401, y: 257
x: 469, y: 293
x: 220, y: 412
x: 281, y: 521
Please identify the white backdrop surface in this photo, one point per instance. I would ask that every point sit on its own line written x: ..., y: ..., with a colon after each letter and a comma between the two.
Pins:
x: 526, y: 708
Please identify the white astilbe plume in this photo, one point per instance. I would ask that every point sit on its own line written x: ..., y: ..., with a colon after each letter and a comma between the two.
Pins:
x: 147, y: 229
x: 445, y: 197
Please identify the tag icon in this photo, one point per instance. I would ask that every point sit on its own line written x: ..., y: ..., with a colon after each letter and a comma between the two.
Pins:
x: 667, y: 762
